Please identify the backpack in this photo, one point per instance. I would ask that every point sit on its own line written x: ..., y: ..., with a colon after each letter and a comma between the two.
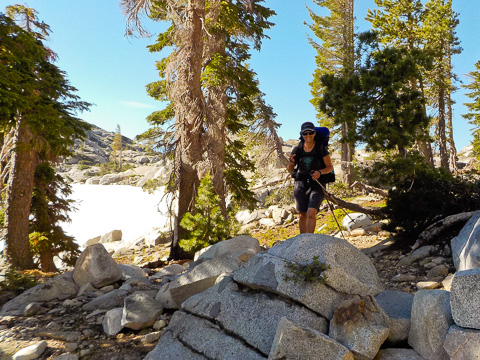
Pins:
x: 322, y: 137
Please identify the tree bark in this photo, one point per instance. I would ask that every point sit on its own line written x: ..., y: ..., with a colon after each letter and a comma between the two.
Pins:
x: 46, y: 261
x: 424, y: 146
x: 348, y: 150
x: 217, y: 103
x: 451, y: 141
x: 189, y: 111
x: 19, y: 199
x: 442, y: 139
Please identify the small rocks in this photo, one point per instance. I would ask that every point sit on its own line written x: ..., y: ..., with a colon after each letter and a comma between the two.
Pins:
x: 31, y: 352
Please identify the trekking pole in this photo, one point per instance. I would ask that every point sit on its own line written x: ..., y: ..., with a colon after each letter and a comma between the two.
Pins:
x: 325, y: 192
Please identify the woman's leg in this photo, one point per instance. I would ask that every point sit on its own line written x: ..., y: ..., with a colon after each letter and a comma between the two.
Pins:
x: 302, y: 222
x: 311, y: 220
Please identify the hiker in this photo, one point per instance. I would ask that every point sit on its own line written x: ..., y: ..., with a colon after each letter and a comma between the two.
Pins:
x: 309, y: 160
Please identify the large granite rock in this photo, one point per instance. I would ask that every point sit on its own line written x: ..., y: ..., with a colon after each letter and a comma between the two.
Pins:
x: 270, y: 273
x: 466, y: 245
x: 251, y: 316
x: 241, y: 247
x: 431, y: 320
x: 398, y: 354
x: 203, y: 337
x: 398, y: 307
x: 201, y: 277
x: 349, y: 270
x: 58, y: 287
x: 462, y: 344
x: 140, y: 311
x: 169, y: 348
x: 97, y: 267
x: 298, y: 342
x: 465, y: 298
x: 360, y: 325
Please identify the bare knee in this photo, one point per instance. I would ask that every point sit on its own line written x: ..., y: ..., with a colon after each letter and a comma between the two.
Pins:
x: 311, y: 214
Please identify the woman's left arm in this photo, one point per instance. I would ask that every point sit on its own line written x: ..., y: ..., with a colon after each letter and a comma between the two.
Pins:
x: 327, y: 160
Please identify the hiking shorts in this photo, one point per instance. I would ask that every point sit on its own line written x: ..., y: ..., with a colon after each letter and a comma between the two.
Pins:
x: 307, y: 196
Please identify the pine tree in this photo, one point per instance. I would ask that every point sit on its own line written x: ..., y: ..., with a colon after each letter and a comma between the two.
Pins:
x: 37, y: 121
x: 398, y: 23
x: 206, y: 223
x: 473, y: 107
x: 429, y: 27
x: 210, y: 93
x: 50, y: 206
x: 334, y: 44
x: 441, y: 41
x: 389, y: 111
x: 116, y: 153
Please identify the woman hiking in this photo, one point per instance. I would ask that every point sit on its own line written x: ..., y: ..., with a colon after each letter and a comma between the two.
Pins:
x: 309, y: 160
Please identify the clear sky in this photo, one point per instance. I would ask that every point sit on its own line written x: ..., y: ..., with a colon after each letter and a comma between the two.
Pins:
x: 111, y: 71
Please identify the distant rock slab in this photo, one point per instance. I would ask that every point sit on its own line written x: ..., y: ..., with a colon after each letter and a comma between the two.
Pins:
x: 241, y: 247
x: 356, y: 220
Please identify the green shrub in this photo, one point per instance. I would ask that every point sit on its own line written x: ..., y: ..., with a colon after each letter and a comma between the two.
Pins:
x: 112, y: 167
x: 281, y: 196
x: 206, y: 223
x: 16, y: 281
x: 153, y: 184
x: 340, y: 189
x: 392, y: 170
x: 427, y: 196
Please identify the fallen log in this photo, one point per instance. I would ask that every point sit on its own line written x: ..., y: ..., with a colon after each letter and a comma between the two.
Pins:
x: 377, y: 212
x: 440, y: 227
x: 369, y: 188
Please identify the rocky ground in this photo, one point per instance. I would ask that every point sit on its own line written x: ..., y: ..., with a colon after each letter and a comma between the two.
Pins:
x: 66, y: 329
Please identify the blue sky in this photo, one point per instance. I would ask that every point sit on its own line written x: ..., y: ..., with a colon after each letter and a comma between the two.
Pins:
x: 111, y: 71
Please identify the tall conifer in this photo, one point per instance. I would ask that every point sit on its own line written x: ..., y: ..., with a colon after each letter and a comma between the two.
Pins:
x: 209, y: 91
x: 334, y: 42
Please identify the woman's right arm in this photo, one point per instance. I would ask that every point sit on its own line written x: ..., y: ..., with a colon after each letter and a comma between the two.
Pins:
x: 291, y: 164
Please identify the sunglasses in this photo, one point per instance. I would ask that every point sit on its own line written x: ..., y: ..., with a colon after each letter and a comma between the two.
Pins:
x: 308, y: 132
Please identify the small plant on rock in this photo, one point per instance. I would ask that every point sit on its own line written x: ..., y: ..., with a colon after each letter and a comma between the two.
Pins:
x: 312, y: 272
